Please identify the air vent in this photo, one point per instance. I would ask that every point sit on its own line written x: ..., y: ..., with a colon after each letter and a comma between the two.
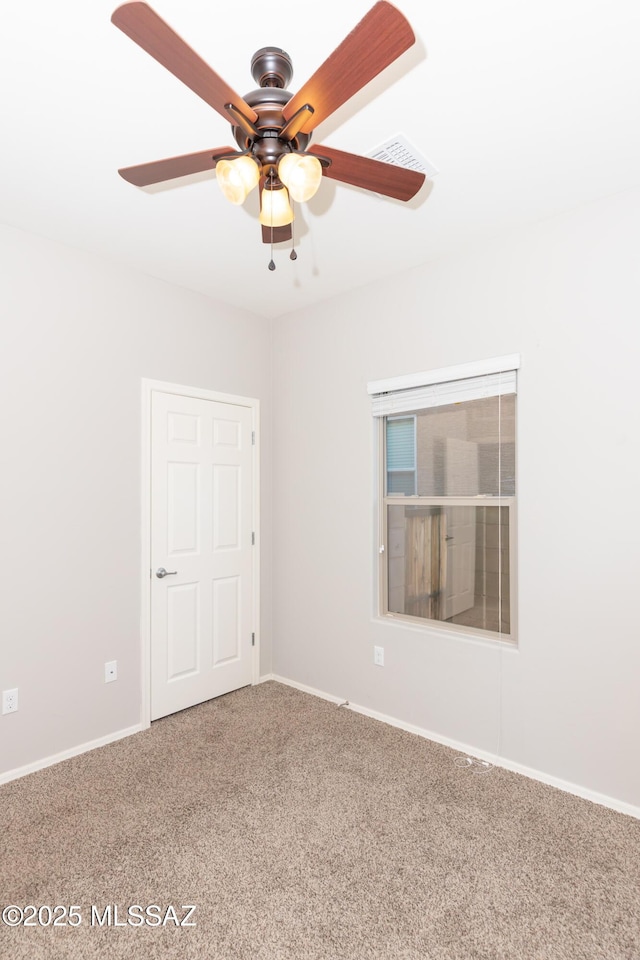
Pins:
x: 398, y: 150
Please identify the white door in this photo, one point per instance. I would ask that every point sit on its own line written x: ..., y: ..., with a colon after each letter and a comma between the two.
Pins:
x: 201, y: 535
x: 460, y: 544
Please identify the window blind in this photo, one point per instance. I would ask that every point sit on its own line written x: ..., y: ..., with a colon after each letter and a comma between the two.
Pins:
x: 445, y: 386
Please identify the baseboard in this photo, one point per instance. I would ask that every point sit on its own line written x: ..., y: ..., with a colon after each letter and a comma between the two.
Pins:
x: 312, y: 690
x: 464, y: 748
x: 578, y: 791
x: 67, y: 754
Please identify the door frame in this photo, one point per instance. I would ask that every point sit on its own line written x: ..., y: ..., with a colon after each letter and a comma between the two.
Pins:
x: 148, y: 387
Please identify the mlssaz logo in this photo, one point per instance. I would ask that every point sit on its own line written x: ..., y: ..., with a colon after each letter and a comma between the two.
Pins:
x: 135, y: 915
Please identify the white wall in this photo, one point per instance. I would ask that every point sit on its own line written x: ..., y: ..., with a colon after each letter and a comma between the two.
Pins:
x: 565, y: 295
x: 77, y: 335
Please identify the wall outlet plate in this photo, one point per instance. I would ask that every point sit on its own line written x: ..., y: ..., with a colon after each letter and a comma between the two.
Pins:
x: 10, y: 700
x: 111, y: 671
x: 378, y: 656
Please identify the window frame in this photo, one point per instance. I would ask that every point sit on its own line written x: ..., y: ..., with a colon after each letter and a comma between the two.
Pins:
x: 425, y: 624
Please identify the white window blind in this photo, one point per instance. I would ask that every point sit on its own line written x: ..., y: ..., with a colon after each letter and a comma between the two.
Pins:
x: 436, y: 388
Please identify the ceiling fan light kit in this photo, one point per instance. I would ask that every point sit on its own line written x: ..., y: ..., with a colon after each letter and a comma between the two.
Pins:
x: 301, y: 174
x: 237, y: 178
x: 272, y: 128
x: 275, y: 209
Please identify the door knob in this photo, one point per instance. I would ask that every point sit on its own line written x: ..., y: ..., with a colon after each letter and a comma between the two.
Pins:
x: 161, y: 572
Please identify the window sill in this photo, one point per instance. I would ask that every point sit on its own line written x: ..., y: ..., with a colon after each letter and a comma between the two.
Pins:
x: 449, y: 632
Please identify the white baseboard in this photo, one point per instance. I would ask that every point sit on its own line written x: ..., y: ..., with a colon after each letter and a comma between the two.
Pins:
x: 564, y: 785
x: 67, y: 754
x: 578, y: 791
x: 312, y: 690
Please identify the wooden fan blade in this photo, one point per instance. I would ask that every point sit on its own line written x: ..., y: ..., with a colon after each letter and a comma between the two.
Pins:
x: 280, y: 234
x: 385, y: 178
x: 379, y: 39
x: 159, y: 170
x: 149, y: 31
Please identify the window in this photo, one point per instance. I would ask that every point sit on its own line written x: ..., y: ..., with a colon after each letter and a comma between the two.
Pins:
x: 448, y: 473
x: 400, y: 443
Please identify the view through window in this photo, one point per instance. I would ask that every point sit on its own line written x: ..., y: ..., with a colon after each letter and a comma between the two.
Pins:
x: 448, y: 511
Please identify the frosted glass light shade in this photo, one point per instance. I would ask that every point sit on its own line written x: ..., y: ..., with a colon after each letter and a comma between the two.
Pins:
x: 301, y: 174
x: 276, y: 210
x: 237, y: 178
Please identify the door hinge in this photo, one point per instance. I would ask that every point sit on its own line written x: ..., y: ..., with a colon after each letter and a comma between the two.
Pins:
x: 253, y: 639
x: 253, y: 539
x: 253, y: 438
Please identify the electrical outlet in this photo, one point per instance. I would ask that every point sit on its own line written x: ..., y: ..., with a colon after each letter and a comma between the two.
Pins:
x: 10, y: 700
x: 378, y: 656
x: 111, y: 671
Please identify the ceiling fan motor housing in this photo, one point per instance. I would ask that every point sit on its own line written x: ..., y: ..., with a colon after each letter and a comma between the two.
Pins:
x: 271, y: 67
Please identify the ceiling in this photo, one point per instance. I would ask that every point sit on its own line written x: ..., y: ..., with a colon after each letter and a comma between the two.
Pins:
x: 526, y: 109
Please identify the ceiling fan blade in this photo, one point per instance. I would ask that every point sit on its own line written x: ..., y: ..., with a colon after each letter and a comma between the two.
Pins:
x: 280, y: 234
x: 149, y: 31
x: 379, y: 39
x: 385, y: 178
x: 159, y: 170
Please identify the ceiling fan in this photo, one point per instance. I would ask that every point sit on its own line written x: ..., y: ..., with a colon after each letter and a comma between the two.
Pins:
x: 272, y: 128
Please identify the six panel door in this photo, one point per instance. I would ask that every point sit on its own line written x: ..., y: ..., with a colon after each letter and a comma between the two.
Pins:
x: 201, y: 535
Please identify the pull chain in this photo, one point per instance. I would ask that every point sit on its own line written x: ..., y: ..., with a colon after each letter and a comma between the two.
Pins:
x: 272, y: 265
x: 293, y: 255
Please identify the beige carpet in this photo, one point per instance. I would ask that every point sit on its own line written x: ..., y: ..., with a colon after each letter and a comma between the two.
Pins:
x: 302, y: 830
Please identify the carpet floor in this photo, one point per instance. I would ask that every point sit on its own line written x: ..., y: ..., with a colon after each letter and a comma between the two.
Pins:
x: 303, y: 831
